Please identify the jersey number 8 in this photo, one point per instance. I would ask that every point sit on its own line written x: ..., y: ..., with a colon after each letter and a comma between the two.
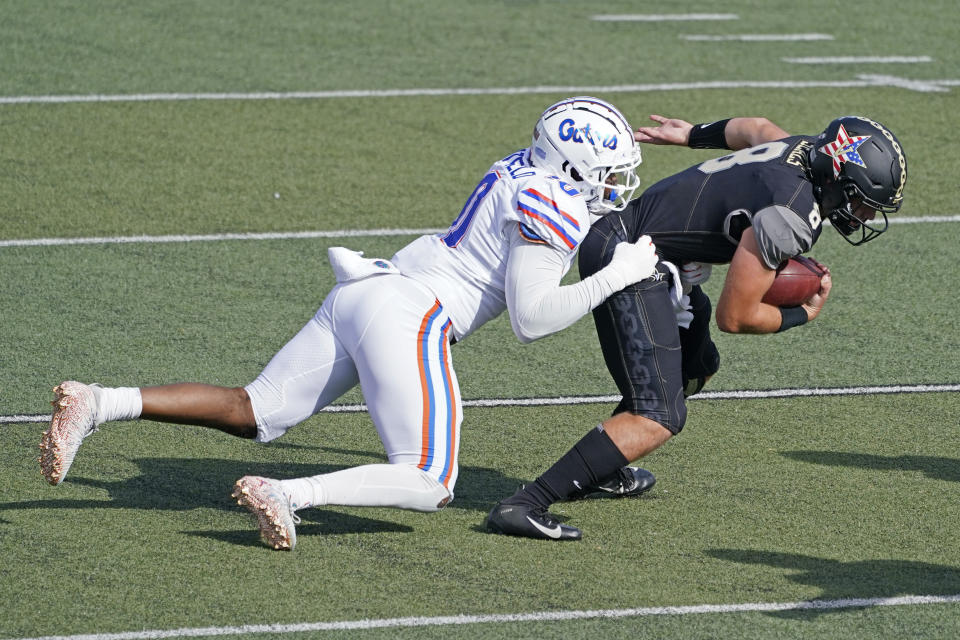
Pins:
x: 759, y: 153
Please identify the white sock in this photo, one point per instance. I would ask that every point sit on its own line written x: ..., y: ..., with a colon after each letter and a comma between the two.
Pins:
x: 301, y: 493
x: 371, y: 485
x: 117, y: 403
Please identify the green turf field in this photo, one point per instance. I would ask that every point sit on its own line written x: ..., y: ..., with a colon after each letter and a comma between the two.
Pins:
x: 850, y: 501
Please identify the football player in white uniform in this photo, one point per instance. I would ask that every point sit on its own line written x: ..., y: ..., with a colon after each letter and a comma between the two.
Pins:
x: 389, y: 324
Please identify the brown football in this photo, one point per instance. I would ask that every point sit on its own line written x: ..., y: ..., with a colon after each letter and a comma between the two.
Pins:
x: 797, y: 279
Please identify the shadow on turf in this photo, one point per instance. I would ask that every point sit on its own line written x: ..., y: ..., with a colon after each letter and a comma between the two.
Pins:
x: 314, y: 523
x: 180, y: 484
x: 938, y: 468
x: 849, y: 580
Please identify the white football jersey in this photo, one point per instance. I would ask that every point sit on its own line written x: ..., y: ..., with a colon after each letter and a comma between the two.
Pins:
x: 465, y: 266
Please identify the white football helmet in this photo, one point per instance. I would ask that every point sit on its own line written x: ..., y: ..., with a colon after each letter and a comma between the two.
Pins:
x: 589, y: 144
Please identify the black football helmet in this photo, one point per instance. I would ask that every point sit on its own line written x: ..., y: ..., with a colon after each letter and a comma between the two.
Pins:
x: 856, y: 160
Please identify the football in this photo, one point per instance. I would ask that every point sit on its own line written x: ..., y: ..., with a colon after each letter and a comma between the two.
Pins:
x: 797, y: 279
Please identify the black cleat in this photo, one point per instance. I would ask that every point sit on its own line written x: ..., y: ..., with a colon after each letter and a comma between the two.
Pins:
x: 529, y: 522
x: 627, y: 482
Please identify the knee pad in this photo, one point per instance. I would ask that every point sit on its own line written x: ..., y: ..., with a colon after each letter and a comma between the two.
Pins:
x: 403, y: 486
x: 436, y: 496
x: 672, y: 422
x: 415, y: 489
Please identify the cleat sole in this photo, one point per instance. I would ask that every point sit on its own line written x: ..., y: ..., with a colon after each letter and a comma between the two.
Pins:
x: 273, y: 532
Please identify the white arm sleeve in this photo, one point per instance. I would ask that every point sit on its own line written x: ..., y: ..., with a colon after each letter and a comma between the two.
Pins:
x: 537, y: 304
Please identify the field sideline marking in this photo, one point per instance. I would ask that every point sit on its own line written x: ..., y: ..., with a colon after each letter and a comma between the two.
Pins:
x: 293, y: 235
x: 862, y: 80
x: 542, y: 616
x: 573, y: 400
x: 759, y: 37
x: 279, y: 235
x: 859, y: 59
x: 663, y: 17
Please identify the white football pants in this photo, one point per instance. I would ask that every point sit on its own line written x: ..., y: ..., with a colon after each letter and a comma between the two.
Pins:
x: 392, y: 335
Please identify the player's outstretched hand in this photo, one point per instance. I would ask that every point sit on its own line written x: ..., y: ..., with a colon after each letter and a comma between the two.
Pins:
x: 634, y: 261
x: 669, y: 131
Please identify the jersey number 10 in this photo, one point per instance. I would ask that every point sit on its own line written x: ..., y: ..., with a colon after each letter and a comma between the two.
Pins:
x: 458, y: 229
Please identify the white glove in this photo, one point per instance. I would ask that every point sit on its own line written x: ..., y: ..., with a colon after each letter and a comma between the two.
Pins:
x: 633, y: 262
x: 679, y: 297
x: 682, y: 309
x: 694, y: 273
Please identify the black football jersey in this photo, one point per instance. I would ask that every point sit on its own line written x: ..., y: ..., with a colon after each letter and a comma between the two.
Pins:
x: 700, y: 214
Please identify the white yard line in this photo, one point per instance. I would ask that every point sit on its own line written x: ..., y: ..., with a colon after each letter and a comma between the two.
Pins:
x: 758, y: 37
x: 860, y: 81
x: 749, y: 394
x: 294, y: 235
x: 664, y: 17
x: 218, y: 237
x: 860, y: 60
x: 500, y: 618
x: 923, y: 86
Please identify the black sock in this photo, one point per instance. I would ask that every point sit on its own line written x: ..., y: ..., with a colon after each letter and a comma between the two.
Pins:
x: 594, y: 458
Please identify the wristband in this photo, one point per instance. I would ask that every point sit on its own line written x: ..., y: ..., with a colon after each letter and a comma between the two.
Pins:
x: 709, y: 135
x: 792, y: 317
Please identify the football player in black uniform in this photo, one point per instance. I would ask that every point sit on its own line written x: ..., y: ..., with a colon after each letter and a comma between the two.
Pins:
x: 752, y: 208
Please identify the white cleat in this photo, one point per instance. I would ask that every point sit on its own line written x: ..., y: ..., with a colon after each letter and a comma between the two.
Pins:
x: 73, y: 420
x: 265, y: 499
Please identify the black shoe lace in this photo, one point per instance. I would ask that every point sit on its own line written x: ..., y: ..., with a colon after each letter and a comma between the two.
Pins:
x: 627, y: 481
x: 544, y: 516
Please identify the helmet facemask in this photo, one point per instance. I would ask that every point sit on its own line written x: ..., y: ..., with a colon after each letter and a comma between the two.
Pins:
x: 840, y: 200
x: 608, y: 188
x: 857, y: 165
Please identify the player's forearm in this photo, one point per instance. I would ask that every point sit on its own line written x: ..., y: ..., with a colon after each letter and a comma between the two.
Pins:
x: 740, y: 308
x: 730, y: 133
x: 742, y: 133
x: 538, y: 304
x: 760, y: 318
x: 560, y: 307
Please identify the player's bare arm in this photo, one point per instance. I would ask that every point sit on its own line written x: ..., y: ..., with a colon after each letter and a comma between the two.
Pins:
x: 741, y: 309
x: 738, y: 133
x: 742, y: 133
